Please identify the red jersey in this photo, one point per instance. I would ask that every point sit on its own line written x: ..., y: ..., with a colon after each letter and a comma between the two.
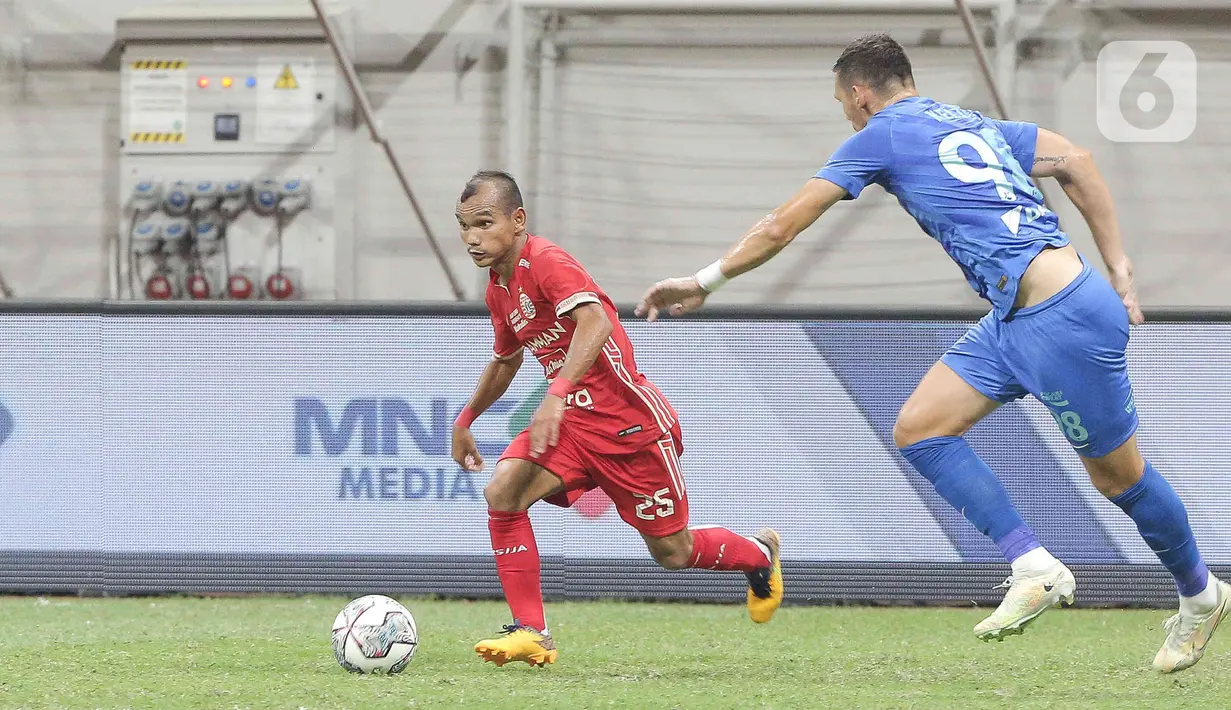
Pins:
x: 622, y: 410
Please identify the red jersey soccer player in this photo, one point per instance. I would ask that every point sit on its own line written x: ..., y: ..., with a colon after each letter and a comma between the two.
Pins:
x: 602, y: 423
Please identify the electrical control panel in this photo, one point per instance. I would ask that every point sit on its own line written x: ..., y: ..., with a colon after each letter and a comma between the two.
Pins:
x: 231, y: 154
x: 244, y: 100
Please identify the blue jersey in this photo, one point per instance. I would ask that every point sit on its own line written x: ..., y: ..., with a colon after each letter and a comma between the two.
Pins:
x: 964, y: 178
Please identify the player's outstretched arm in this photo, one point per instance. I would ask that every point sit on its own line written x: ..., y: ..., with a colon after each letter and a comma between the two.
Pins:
x: 593, y: 329
x: 493, y: 383
x: 766, y: 238
x: 1073, y: 167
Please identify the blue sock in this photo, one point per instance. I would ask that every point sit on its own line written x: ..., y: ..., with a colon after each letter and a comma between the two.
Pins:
x: 961, y: 478
x: 1163, y: 523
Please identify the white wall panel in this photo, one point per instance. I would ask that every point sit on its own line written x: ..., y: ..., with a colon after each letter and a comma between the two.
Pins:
x: 655, y: 160
x: 650, y: 161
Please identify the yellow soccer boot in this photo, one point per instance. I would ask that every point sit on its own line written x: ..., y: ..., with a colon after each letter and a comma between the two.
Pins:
x: 518, y: 643
x: 765, y: 585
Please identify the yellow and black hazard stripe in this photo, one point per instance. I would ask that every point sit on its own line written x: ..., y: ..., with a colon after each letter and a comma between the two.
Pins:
x: 156, y: 138
x: 155, y: 64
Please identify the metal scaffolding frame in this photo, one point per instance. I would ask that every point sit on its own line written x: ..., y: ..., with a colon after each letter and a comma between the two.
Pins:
x: 368, y: 113
x: 997, y: 72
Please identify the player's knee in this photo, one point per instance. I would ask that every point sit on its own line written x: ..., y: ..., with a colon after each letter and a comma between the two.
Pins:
x: 673, y: 552
x: 1117, y: 471
x: 920, y: 421
x: 672, y: 559
x: 909, y: 428
x: 501, y: 494
x: 497, y: 496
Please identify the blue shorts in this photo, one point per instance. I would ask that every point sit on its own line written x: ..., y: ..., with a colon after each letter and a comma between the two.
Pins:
x: 1069, y: 353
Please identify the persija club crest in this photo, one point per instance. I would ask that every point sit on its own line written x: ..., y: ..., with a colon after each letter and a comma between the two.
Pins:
x: 527, y: 306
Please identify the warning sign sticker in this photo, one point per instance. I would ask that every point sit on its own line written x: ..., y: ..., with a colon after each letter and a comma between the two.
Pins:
x: 157, y: 97
x: 286, y: 101
x: 286, y: 80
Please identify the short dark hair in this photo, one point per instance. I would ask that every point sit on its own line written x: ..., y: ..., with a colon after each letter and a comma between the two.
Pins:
x: 876, y: 60
x: 510, y: 193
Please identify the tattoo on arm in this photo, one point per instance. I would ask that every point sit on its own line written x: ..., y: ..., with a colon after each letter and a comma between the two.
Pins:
x: 1053, y: 159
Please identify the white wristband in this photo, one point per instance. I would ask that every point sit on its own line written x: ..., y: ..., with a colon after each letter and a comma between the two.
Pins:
x: 711, y: 277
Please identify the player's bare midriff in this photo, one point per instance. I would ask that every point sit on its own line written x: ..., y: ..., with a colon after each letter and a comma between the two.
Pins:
x: 1048, y: 274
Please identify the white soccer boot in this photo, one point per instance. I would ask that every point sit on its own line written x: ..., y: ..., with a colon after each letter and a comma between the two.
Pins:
x: 1188, y: 634
x: 1028, y: 597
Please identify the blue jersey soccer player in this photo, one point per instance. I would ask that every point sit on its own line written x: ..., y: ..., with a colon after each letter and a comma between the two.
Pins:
x: 1057, y: 329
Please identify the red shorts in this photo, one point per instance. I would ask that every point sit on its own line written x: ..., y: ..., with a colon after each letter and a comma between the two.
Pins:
x: 647, y: 486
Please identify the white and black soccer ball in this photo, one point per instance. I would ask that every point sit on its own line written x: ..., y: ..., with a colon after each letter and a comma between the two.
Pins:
x: 374, y: 634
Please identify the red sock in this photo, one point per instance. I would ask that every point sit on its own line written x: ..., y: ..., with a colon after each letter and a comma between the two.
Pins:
x: 719, y: 548
x: 517, y: 564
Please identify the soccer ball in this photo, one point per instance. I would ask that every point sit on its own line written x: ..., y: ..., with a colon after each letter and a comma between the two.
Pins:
x: 374, y: 634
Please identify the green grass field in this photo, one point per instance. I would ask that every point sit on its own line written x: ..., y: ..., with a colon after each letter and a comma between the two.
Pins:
x: 273, y: 652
